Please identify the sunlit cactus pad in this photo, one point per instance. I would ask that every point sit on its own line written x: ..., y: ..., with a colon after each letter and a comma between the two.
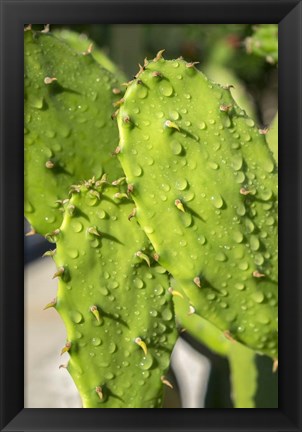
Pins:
x: 205, y: 186
x: 114, y: 300
x: 68, y: 106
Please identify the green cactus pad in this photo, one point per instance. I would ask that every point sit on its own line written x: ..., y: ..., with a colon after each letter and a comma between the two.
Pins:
x: 205, y: 187
x: 108, y: 297
x: 68, y: 104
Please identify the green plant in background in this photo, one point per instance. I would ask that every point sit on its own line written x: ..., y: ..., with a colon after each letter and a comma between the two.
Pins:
x: 264, y: 42
x: 205, y: 189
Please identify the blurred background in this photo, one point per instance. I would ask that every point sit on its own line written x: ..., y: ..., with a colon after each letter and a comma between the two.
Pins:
x: 242, y: 55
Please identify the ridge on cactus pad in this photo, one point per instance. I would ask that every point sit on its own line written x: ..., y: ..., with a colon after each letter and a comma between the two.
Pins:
x: 116, y: 307
x: 205, y: 187
x: 68, y: 106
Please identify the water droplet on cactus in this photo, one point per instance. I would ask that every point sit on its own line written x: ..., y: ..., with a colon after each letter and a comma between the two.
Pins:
x: 167, y: 314
x: 153, y: 312
x: 202, y: 125
x: 268, y: 165
x: 174, y: 115
x: 159, y: 114
x: 213, y: 165
x: 237, y: 236
x: 217, y: 201
x: 96, y: 341
x: 146, y: 362
x: 240, y: 286
x: 137, y: 170
x: 221, y: 257
x: 101, y: 214
x: 37, y: 102
x: 112, y: 347
x: 258, y: 297
x: 249, y: 225
x: 165, y: 187
x: 50, y: 133
x: 250, y: 122
x: 181, y: 184
x: 262, y: 317
x: 201, y: 239
x: 165, y: 88
x: 176, y: 147
x: 73, y: 253
x: 254, y: 243
x: 76, y: 226
x: 187, y: 219
x: 142, y: 91
x: 211, y: 296
x: 237, y: 162
x: 243, y: 265
x: 138, y: 283
x: 76, y: 317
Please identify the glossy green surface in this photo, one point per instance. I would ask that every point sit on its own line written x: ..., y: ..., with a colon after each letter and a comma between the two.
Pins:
x: 205, y: 187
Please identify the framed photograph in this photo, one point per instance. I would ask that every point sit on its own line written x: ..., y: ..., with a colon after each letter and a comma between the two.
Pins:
x: 142, y: 141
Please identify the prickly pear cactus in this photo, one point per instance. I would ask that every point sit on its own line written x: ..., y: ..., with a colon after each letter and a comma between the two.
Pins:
x: 114, y: 300
x: 264, y: 42
x: 68, y: 104
x: 205, y: 187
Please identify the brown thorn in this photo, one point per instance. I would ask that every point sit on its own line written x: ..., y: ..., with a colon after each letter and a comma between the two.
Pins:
x: 166, y: 382
x: 31, y: 232
x: 228, y: 336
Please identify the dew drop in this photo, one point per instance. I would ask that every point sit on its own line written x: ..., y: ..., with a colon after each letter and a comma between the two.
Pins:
x: 142, y: 91
x: 181, y: 184
x: 237, y: 236
x: 137, y: 170
x: 167, y: 315
x: 176, y: 147
x: 250, y: 122
x: 217, y: 201
x: 174, y: 115
x: 112, y: 347
x: 213, y: 165
x: 258, y: 297
x: 240, y: 286
x: 243, y: 265
x: 202, y: 125
x: 76, y: 317
x: 138, y: 283
x: 220, y: 257
x: 237, y: 162
x: 146, y: 362
x: 76, y: 226
x: 254, y: 243
x: 96, y: 341
x: 73, y: 253
x: 165, y: 88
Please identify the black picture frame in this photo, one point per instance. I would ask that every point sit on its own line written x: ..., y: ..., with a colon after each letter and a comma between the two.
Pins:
x: 14, y: 14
